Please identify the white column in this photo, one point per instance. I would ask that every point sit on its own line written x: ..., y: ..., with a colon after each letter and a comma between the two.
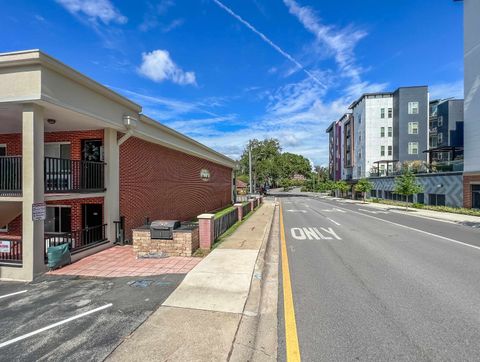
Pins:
x: 33, y: 189
x: 112, y: 181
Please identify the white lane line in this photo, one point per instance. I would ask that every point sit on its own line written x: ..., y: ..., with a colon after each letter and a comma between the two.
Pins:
x: 336, y: 223
x: 12, y: 294
x: 418, y: 230
x: 20, y: 338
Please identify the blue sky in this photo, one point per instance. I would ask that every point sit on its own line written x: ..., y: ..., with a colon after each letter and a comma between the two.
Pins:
x: 225, y: 71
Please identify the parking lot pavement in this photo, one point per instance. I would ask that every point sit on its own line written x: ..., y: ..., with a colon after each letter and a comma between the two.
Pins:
x: 62, y: 318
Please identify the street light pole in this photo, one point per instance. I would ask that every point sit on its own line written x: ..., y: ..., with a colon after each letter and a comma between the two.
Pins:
x: 250, y: 168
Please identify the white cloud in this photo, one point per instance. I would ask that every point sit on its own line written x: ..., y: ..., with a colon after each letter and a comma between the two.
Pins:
x: 158, y: 66
x: 173, y: 25
x: 341, y: 42
x: 447, y: 90
x: 94, y: 10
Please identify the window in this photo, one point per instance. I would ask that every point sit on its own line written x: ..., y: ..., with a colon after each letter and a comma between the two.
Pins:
x: 382, y: 113
x: 413, y: 148
x: 440, y: 138
x: 421, y: 198
x: 390, y: 113
x: 382, y: 169
x: 382, y: 132
x: 476, y: 196
x: 440, y: 121
x: 373, y: 193
x: 58, y: 150
x: 390, y: 150
x: 390, y: 131
x: 382, y: 150
x: 412, y: 107
x: 58, y: 219
x: 436, y: 199
x: 412, y: 127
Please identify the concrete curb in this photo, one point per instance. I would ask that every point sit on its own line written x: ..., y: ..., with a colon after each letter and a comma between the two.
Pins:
x: 248, y: 344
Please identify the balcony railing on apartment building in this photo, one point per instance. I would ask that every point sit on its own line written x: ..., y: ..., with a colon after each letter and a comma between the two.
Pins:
x: 61, y: 175
x: 10, y: 175
x: 14, y: 255
x: 434, y: 167
x: 77, y: 240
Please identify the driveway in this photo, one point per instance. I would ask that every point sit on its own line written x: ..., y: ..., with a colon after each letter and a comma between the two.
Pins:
x: 59, y: 318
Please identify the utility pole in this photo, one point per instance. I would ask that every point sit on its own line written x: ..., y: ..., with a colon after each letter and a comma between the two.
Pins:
x: 250, y: 168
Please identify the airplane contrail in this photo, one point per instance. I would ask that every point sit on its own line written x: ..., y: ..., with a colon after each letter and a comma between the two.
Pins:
x: 268, y: 41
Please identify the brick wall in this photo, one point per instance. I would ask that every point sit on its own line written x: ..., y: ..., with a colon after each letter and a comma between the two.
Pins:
x: 161, y: 183
x: 184, y: 243
x: 14, y: 141
x: 468, y: 180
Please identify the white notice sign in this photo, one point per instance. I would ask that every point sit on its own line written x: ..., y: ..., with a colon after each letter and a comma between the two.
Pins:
x: 5, y: 246
x: 39, y: 211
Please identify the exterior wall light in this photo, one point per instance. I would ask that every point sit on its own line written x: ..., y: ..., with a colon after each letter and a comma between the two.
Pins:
x: 130, y: 122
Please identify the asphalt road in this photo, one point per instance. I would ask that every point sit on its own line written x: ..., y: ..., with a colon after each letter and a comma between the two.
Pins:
x: 51, y: 300
x: 380, y: 286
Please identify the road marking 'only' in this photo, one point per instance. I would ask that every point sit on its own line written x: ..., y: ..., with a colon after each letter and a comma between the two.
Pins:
x: 314, y: 234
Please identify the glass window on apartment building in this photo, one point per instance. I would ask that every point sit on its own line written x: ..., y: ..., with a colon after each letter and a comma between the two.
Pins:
x: 390, y: 131
x: 382, y: 150
x: 373, y: 193
x: 440, y: 121
x: 390, y: 150
x: 382, y: 131
x: 382, y: 113
x: 390, y: 113
x: 476, y: 196
x: 413, y: 148
x: 436, y: 199
x: 59, y: 219
x: 421, y: 198
x: 412, y: 127
x: 412, y: 107
x: 440, y: 138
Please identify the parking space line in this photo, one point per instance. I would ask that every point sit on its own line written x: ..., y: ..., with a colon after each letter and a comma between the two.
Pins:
x: 12, y: 294
x: 20, y: 338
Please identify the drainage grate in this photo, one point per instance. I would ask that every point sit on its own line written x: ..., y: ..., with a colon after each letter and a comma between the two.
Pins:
x: 142, y: 283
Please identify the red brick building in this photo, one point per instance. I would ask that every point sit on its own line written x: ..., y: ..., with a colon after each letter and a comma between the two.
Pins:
x: 86, y: 156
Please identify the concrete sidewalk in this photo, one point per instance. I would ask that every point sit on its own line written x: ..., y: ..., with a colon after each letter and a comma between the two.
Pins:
x: 438, y: 215
x: 200, y: 319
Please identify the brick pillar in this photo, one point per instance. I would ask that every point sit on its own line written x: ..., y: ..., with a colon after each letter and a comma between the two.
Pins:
x: 252, y: 204
x: 206, y: 230
x: 240, y: 211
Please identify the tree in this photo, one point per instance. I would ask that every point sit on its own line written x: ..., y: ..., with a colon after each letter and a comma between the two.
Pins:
x: 364, y: 186
x: 407, y: 185
x: 342, y: 186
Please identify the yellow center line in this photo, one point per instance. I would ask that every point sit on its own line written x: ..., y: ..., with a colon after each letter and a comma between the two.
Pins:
x: 291, y: 337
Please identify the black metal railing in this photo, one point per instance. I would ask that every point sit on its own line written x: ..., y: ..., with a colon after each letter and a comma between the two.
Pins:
x: 63, y: 175
x: 10, y: 175
x: 245, y: 209
x: 77, y: 240
x: 224, y: 222
x: 14, y: 254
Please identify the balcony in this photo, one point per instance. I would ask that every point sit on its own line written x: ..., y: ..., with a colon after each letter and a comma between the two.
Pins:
x: 61, y: 176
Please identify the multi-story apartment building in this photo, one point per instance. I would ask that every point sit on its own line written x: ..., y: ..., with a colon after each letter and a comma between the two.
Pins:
x: 471, y: 178
x: 446, y: 130
x: 335, y: 132
x: 389, y: 127
x: 76, y: 158
x: 347, y: 146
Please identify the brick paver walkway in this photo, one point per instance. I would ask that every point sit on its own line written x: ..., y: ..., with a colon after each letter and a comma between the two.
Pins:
x: 119, y: 261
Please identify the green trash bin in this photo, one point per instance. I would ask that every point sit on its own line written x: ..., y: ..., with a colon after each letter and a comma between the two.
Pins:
x: 58, y: 256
